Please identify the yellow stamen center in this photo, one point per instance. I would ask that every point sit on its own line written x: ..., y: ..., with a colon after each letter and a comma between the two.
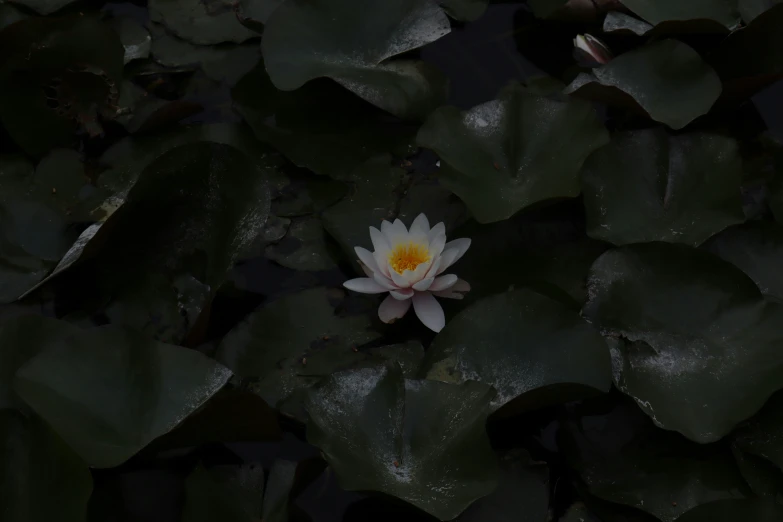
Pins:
x: 407, y: 256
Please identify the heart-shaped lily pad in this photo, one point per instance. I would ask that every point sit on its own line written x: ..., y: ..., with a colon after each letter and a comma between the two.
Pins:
x: 201, y: 22
x: 308, y: 39
x: 763, y: 434
x: 623, y: 458
x: 757, y: 249
x: 110, y: 391
x: 287, y: 342
x: 667, y: 80
x: 650, y: 186
x: 381, y: 432
x: 532, y: 349
x: 758, y: 510
x: 320, y: 126
x: 41, y: 478
x: 507, y: 154
x: 465, y: 10
x: 658, y: 11
x: 702, y: 351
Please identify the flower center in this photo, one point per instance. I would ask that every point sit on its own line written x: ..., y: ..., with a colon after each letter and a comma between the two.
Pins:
x: 407, y: 256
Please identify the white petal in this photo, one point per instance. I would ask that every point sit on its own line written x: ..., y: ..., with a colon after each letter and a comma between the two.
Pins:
x: 399, y: 280
x: 392, y: 309
x: 402, y: 294
x: 379, y: 242
x: 444, y: 282
x: 385, y: 228
x: 366, y: 257
x: 382, y: 261
x: 429, y: 311
x: 424, y: 284
x: 364, y: 285
x: 384, y: 281
x: 437, y: 230
x: 434, y: 268
x: 397, y: 233
x: 456, y: 291
x: 419, y: 230
x: 367, y: 271
x: 447, y: 259
x: 414, y: 276
x: 461, y: 246
x: 437, y: 244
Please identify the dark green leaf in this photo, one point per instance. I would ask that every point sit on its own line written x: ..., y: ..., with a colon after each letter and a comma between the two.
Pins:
x: 278, y: 490
x: 143, y: 112
x: 58, y: 75
x: 44, y: 7
x: 21, y: 338
x: 225, y: 63
x: 303, y: 248
x: 546, y: 8
x: 41, y: 478
x: 258, y: 10
x: 757, y: 249
x: 286, y: 343
x: 623, y: 458
x: 533, y: 350
x: 225, y: 493
x: 650, y: 186
x: 200, y: 22
x: 701, y: 328
x: 752, y: 57
x: 657, y: 11
x: 750, y: 9
x: 465, y: 10
x: 619, y: 22
x: 523, y: 488
x: 320, y: 126
x: 307, y: 194
x: 10, y: 14
x: 371, y: 200
x: 763, y: 434
x: 180, y: 229
x: 666, y: 80
x: 509, y: 153
x: 109, y: 391
x: 757, y: 510
x: 763, y: 477
x: 381, y: 432
x: 37, y: 212
x: 308, y: 39
x: 134, y: 37
x: 579, y: 513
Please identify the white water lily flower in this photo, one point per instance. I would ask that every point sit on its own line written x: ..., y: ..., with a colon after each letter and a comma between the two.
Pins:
x: 408, y: 264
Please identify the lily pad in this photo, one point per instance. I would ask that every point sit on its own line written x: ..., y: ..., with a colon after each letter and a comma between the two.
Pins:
x: 758, y: 510
x: 200, y: 22
x: 533, y: 350
x: 750, y: 9
x: 304, y: 247
x: 143, y: 112
x: 307, y: 194
x: 257, y: 11
x: 284, y: 344
x: 321, y: 126
x: 658, y: 11
x: 21, y: 338
x: 464, y: 10
x: 183, y: 224
x: 44, y: 7
x: 381, y: 432
x: 38, y: 210
x: 523, y: 488
x: 623, y: 458
x: 702, y: 328
x: 666, y: 80
x: 762, y: 435
x: 304, y: 40
x: 756, y: 248
x: 579, y: 513
x: 745, y: 73
x: 650, y: 186
x: 10, y: 14
x: 41, y: 478
x: 619, y: 22
x: 224, y: 63
x: 546, y: 8
x: 58, y: 75
x: 134, y: 37
x: 226, y: 493
x: 109, y: 391
x: 370, y: 201
x: 509, y: 153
